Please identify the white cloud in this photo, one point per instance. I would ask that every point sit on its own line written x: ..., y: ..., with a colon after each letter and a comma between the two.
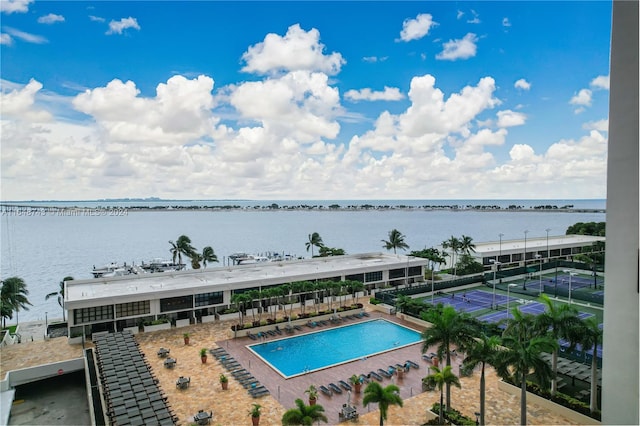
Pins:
x: 505, y: 22
x: 18, y: 104
x: 459, y: 14
x: 508, y: 118
x: 600, y: 125
x: 15, y: 6
x: 5, y: 39
x: 600, y: 82
x: 388, y: 94
x: 117, y: 27
x: 475, y: 19
x: 374, y: 59
x: 297, y: 50
x: 459, y: 49
x: 29, y: 38
x: 522, y: 84
x: 51, y: 18
x: 581, y: 99
x: 96, y: 18
x: 415, y: 29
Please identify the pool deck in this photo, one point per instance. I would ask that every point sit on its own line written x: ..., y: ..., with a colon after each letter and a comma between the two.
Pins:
x: 230, y: 407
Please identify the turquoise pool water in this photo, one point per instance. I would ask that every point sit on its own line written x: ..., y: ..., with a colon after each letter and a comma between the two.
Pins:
x: 297, y: 355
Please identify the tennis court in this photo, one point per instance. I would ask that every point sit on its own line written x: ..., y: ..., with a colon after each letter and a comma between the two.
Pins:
x: 533, y: 308
x: 458, y: 303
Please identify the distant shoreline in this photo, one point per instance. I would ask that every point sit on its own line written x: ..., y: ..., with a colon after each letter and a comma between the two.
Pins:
x: 30, y: 210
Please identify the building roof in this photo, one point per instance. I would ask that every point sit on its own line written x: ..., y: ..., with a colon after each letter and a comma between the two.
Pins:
x: 81, y: 293
x: 492, y: 248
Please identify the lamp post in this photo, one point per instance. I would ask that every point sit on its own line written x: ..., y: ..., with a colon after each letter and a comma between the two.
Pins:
x: 500, y: 251
x: 524, y: 283
x: 539, y: 257
x: 432, y: 281
x: 571, y: 274
x: 548, y: 254
x: 46, y: 324
x: 509, y: 298
x: 495, y: 268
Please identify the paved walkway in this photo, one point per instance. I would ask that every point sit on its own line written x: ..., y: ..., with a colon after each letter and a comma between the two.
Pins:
x: 231, y: 407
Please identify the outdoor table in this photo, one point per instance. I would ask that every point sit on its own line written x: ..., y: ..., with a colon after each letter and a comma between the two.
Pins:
x: 183, y: 382
x: 163, y: 353
x: 170, y: 362
x: 203, y: 418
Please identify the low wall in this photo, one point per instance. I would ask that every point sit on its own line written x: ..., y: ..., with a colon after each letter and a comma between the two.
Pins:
x: 574, y: 416
x: 33, y: 374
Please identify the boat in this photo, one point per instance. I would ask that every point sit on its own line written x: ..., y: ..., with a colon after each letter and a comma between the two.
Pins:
x: 162, y: 265
x: 113, y: 269
x: 242, y: 258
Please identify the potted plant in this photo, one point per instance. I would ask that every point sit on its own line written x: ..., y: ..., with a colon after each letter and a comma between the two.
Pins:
x: 313, y: 394
x: 203, y: 355
x: 224, y: 381
x: 255, y: 414
x: 186, y: 338
x: 356, y: 382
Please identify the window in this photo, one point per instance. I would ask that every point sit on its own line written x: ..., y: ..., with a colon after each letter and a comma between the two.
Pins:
x: 132, y: 309
x: 415, y: 271
x: 355, y: 277
x: 373, y: 276
x: 204, y: 299
x: 176, y: 303
x: 97, y: 313
x: 397, y: 273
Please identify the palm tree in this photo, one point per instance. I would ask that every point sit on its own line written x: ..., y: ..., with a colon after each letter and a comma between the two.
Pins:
x: 466, y: 245
x: 14, y: 297
x: 402, y: 302
x: 522, y: 356
x: 240, y: 300
x: 196, y: 258
x: 454, y: 244
x: 482, y: 350
x: 60, y: 295
x: 208, y: 255
x: 447, y: 327
x: 591, y: 338
x: 440, y: 378
x: 315, y: 240
x: 389, y: 395
x: 180, y: 247
x: 304, y: 414
x: 559, y: 321
x: 396, y: 241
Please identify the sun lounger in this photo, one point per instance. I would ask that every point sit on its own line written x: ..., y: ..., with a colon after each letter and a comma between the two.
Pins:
x: 260, y: 393
x: 375, y: 375
x: 412, y: 364
x: 297, y: 327
x: 335, y: 388
x: 232, y: 366
x: 252, y: 336
x: 217, y: 351
x: 385, y: 373
x: 311, y: 324
x: 277, y: 330
x: 253, y: 383
x: 325, y: 390
x: 345, y: 385
x: 239, y: 372
x: 364, y: 378
x: 256, y: 389
x: 243, y: 376
x: 366, y: 314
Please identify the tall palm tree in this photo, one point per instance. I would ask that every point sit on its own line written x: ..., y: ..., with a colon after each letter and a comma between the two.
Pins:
x: 559, y: 321
x: 196, y: 258
x: 14, y: 297
x: 466, y: 245
x: 396, y: 241
x: 180, y: 247
x: 481, y: 350
x: 60, y: 295
x: 208, y: 255
x: 315, y: 240
x: 389, y: 395
x: 454, y: 244
x: 591, y: 338
x: 448, y: 327
x: 303, y: 414
x: 440, y: 378
x: 241, y: 300
x: 522, y: 356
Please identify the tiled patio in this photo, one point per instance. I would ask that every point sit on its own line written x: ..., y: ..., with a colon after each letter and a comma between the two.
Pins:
x: 230, y: 407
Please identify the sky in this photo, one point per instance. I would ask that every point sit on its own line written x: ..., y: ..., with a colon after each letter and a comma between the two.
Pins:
x: 304, y: 100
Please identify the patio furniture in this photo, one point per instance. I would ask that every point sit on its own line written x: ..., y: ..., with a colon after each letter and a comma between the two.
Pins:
x: 163, y: 352
x: 183, y: 382
x: 170, y: 362
x: 203, y: 418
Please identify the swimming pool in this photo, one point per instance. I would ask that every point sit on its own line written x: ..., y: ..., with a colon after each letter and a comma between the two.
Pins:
x: 297, y: 355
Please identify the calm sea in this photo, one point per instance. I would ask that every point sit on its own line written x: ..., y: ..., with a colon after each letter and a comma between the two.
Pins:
x: 44, y: 248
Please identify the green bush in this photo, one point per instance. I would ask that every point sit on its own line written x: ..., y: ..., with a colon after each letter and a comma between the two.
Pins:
x: 453, y: 416
x: 374, y: 301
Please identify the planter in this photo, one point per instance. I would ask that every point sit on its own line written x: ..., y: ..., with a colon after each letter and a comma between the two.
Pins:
x: 312, y: 401
x: 183, y: 322
x: 225, y: 385
x: 358, y: 387
x: 211, y: 318
x: 186, y: 340
x: 74, y: 340
x: 255, y: 421
x: 133, y: 330
x: 157, y: 327
x: 203, y: 359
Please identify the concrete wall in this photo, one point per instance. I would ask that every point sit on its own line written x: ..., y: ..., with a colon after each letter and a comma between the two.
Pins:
x: 620, y: 379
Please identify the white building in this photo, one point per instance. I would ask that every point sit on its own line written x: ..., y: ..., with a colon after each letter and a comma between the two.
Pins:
x: 115, y: 303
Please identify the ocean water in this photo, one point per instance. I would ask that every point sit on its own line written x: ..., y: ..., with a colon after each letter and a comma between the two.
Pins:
x: 44, y: 248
